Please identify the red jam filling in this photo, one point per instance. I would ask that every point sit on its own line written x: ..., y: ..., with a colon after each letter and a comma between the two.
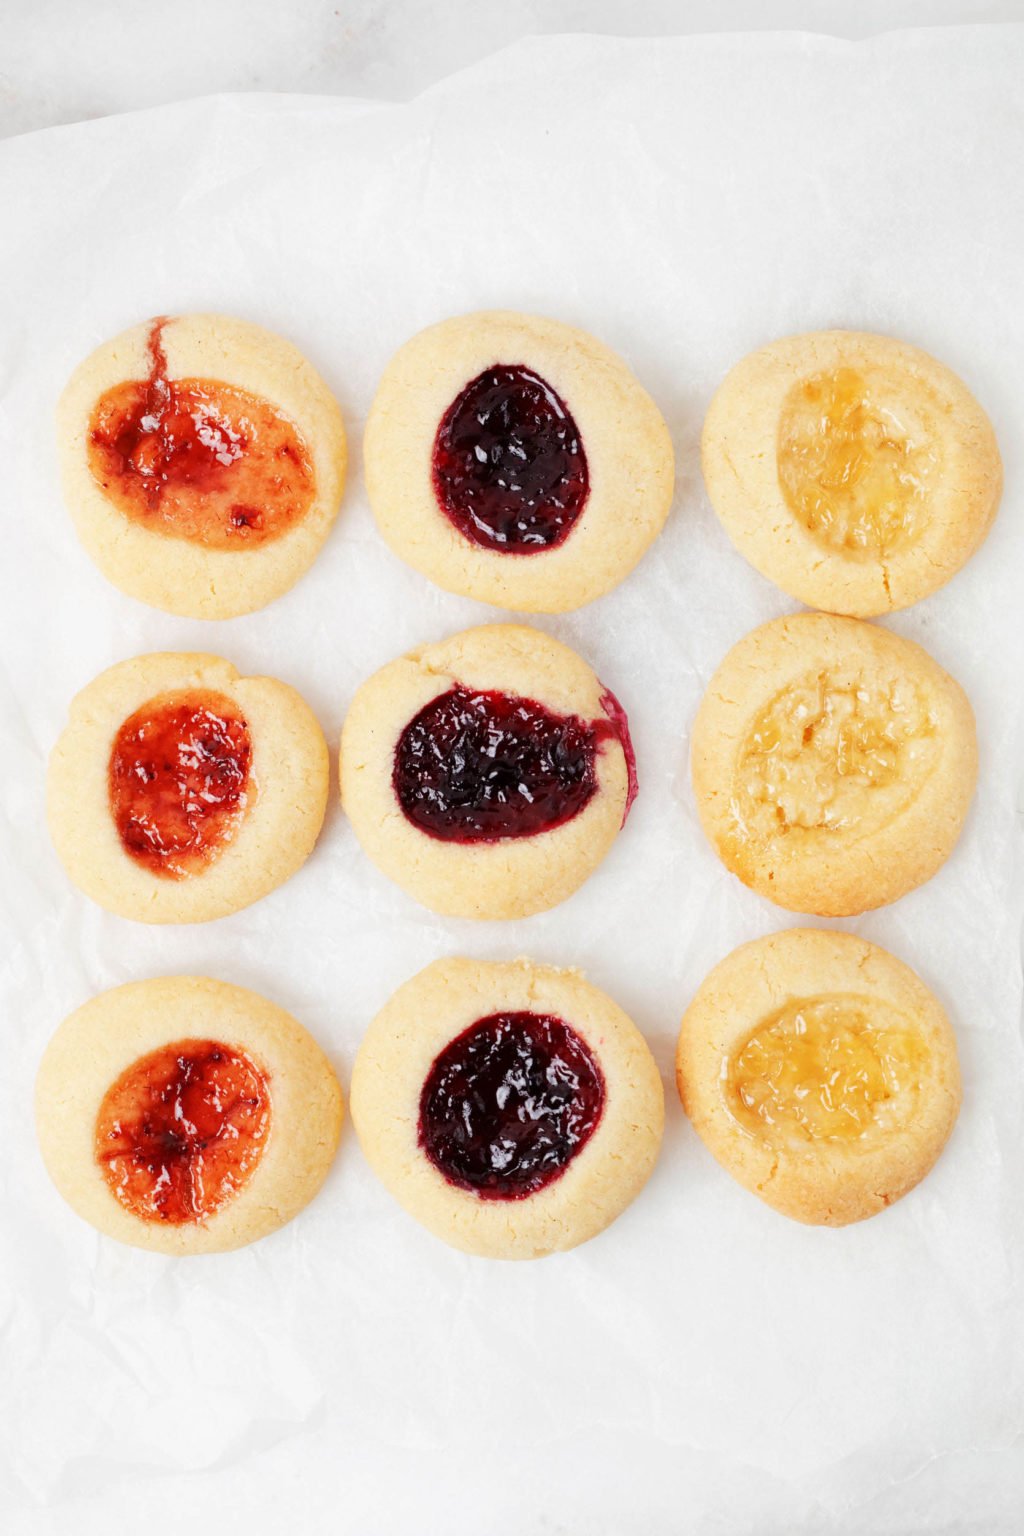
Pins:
x: 509, y: 468
x: 478, y: 767
x: 179, y: 780
x: 197, y: 459
x: 509, y: 1103
x: 181, y: 1130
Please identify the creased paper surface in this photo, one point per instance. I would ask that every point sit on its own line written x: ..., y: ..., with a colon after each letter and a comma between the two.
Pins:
x: 705, y: 1364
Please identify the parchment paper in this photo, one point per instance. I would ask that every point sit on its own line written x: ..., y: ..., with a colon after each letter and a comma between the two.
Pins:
x: 705, y: 1365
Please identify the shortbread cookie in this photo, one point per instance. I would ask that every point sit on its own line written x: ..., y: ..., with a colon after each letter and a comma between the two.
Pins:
x: 203, y: 460
x: 853, y: 470
x: 820, y: 1072
x: 180, y: 791
x: 833, y: 764
x: 516, y: 460
x: 489, y: 774
x: 185, y: 1115
x: 513, y: 1109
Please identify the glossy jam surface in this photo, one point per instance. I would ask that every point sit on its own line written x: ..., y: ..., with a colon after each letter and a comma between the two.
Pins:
x: 826, y: 1069
x: 838, y: 751
x: 509, y: 1103
x: 849, y: 470
x: 509, y: 466
x: 199, y: 460
x: 180, y: 780
x: 182, y: 1130
x: 478, y: 767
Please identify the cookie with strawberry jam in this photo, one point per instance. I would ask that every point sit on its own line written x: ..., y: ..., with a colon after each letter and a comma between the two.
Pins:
x: 180, y: 791
x: 185, y: 1115
x: 203, y: 461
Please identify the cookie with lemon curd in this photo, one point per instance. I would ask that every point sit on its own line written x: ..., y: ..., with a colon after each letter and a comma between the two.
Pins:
x: 821, y: 1073
x: 833, y: 763
x: 855, y: 471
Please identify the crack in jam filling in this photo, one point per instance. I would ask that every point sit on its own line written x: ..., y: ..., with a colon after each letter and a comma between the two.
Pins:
x: 477, y: 767
x: 197, y: 459
x: 182, y: 1130
x: 852, y: 473
x: 831, y: 1068
x: 509, y: 468
x: 836, y: 752
x: 179, y: 780
x: 509, y: 1103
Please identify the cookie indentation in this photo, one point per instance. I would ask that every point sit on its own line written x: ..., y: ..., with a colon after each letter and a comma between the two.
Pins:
x: 851, y: 471
x: 839, y: 751
x: 198, y: 459
x: 475, y: 767
x: 509, y: 467
x: 509, y: 1103
x: 180, y: 780
x: 182, y: 1130
x: 830, y: 1068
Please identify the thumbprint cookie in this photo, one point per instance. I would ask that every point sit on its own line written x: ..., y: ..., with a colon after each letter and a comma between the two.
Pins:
x: 821, y: 1073
x: 487, y: 774
x: 513, y: 1109
x: 203, y: 461
x: 833, y: 764
x: 853, y: 470
x: 516, y: 460
x: 180, y: 791
x: 186, y: 1116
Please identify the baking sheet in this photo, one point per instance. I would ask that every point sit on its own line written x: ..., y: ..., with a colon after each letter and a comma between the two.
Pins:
x: 705, y: 1364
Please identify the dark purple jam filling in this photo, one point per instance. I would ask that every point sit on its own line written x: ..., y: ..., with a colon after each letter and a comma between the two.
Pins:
x: 509, y: 467
x: 478, y: 767
x: 509, y: 1103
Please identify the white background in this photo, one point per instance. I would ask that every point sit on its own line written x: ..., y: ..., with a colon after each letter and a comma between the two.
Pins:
x: 705, y: 1366
x: 64, y: 60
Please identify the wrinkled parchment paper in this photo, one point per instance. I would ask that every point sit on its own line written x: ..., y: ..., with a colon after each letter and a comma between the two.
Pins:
x: 705, y: 1365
